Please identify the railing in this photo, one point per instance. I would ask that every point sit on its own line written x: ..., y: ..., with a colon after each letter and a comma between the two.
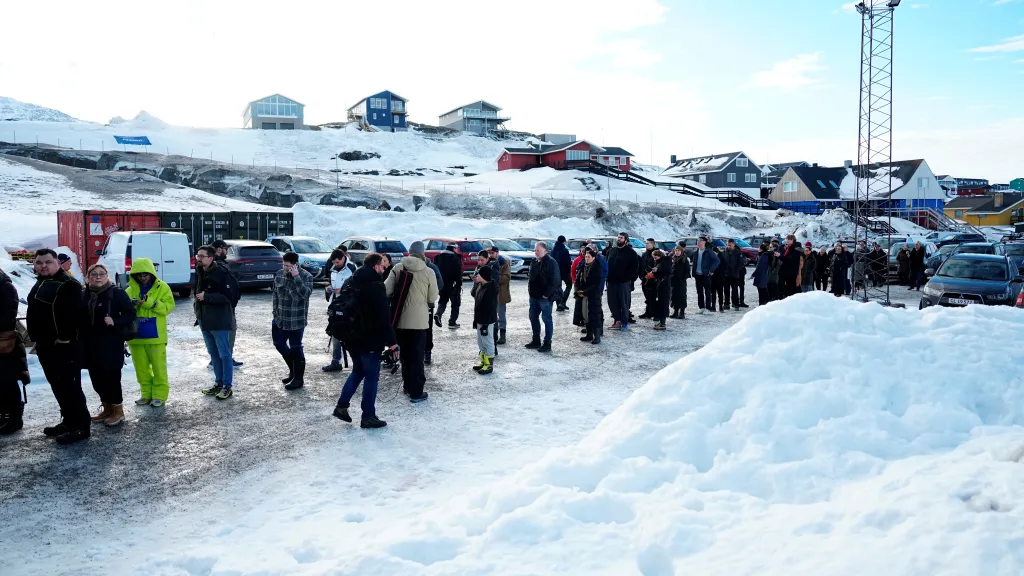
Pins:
x: 484, y: 114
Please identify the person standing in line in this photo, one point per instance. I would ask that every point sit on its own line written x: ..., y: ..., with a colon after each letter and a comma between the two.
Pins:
x: 821, y: 271
x: 428, y: 350
x: 734, y: 263
x: 760, y: 275
x: 220, y: 256
x: 903, y: 265
x: 485, y: 316
x: 589, y: 280
x: 341, y: 270
x: 661, y: 277
x: 861, y: 266
x: 504, y: 292
x: 106, y: 313
x: 388, y: 264
x: 705, y: 262
x: 561, y: 255
x: 917, y: 257
x: 545, y: 288
x: 649, y: 289
x: 412, y: 281
x: 792, y: 257
x: 450, y: 265
x: 374, y: 335
x: 216, y: 297
x: 623, y: 269
x: 13, y: 360
x: 153, y: 301
x: 292, y: 289
x: 54, y: 305
x: 774, y: 268
x: 680, y: 274
x: 809, y: 269
x: 840, y: 267
x: 720, y: 282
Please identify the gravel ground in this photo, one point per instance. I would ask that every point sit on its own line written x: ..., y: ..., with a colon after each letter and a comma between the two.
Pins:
x: 171, y: 475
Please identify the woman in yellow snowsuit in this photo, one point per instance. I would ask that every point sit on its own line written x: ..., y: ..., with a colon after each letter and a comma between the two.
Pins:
x: 153, y: 301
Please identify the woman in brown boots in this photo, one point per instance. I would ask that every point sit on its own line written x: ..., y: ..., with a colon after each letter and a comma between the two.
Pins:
x: 107, y: 317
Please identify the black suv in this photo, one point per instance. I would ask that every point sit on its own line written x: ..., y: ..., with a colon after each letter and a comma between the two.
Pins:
x: 959, y: 238
x: 965, y: 279
x: 980, y: 248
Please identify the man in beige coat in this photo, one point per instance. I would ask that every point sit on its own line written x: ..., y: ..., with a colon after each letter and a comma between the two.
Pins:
x: 414, y: 318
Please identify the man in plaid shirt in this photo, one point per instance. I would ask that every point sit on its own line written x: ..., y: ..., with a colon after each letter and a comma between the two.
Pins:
x: 292, y: 287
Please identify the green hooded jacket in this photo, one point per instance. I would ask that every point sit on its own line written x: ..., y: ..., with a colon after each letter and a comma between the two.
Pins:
x: 159, y: 301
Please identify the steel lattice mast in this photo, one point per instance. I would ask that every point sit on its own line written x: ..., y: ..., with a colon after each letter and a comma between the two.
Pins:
x: 874, y: 138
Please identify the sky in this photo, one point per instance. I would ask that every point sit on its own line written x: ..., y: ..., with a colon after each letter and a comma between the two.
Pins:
x: 778, y: 80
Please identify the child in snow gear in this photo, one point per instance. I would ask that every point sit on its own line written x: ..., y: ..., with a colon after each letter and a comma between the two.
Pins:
x: 106, y: 313
x: 292, y: 288
x: 216, y: 295
x: 13, y: 361
x: 153, y: 301
x: 485, y: 316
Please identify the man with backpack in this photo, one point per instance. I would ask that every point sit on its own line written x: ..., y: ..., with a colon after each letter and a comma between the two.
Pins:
x: 363, y: 324
x: 341, y: 270
x: 216, y: 297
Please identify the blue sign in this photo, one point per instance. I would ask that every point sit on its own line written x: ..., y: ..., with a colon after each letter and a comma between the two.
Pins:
x: 133, y: 140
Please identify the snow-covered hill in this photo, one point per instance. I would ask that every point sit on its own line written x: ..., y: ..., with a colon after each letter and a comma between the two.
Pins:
x: 14, y: 111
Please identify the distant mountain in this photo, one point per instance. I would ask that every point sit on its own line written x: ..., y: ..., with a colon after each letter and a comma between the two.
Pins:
x: 13, y: 110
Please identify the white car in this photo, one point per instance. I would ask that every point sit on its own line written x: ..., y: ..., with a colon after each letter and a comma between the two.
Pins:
x: 519, y: 258
x: 170, y: 252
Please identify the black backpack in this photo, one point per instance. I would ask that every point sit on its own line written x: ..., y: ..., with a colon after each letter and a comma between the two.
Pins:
x: 345, y: 318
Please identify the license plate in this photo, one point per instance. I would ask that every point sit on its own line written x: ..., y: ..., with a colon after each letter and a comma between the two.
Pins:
x: 264, y: 276
x: 961, y: 301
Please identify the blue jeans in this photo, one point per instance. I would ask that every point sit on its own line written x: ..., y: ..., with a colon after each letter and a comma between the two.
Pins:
x: 916, y: 278
x: 365, y: 368
x: 287, y: 341
x: 502, y: 308
x: 539, y: 306
x: 218, y: 344
x: 807, y: 287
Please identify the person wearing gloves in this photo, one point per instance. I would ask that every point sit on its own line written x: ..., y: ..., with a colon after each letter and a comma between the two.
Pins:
x: 485, y: 317
x: 153, y: 301
x: 106, y: 314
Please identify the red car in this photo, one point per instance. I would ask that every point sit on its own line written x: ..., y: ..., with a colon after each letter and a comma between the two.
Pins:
x: 465, y: 248
x: 749, y: 251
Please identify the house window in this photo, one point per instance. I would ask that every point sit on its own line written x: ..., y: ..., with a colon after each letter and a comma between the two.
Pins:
x: 833, y: 183
x: 730, y: 177
x: 374, y: 115
x: 577, y: 155
x: 958, y: 213
x: 397, y: 119
x: 750, y: 177
x: 789, y: 186
x: 703, y: 178
x: 380, y: 103
x: 820, y: 183
x: 623, y: 160
x: 504, y: 157
x: 741, y: 162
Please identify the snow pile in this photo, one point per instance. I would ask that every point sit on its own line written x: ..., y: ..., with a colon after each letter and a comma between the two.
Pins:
x: 13, y: 110
x: 781, y: 447
x: 141, y: 120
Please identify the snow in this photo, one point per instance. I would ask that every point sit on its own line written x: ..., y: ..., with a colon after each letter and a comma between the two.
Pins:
x: 142, y: 120
x: 878, y: 183
x: 13, y: 110
x: 697, y: 165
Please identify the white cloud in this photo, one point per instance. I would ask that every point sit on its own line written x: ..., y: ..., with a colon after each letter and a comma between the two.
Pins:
x: 849, y: 6
x: 629, y: 53
x: 1001, y: 2
x: 918, y: 6
x: 1014, y: 44
x: 797, y: 72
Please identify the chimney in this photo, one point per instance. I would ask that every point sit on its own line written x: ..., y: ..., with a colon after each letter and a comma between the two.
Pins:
x: 815, y: 165
x: 848, y: 164
x: 998, y: 200
x: 672, y: 159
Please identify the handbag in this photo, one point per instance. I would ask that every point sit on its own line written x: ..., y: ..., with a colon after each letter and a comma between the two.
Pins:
x: 7, y: 341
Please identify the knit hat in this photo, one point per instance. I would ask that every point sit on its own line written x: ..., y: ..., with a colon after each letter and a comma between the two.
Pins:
x: 417, y: 248
x: 485, y: 273
x: 808, y: 244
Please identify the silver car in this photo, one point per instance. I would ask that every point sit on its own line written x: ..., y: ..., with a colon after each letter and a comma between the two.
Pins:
x: 359, y: 246
x: 519, y: 257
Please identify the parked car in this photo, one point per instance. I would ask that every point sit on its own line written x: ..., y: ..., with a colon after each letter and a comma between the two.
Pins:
x: 894, y: 250
x: 313, y: 252
x: 171, y: 253
x: 748, y: 251
x: 937, y: 258
x: 359, y: 246
x: 959, y: 238
x: 966, y: 279
x: 980, y: 248
x: 531, y: 243
x: 1015, y: 250
x: 573, y: 244
x: 466, y: 249
x: 666, y: 246
x: 253, y: 263
x: 638, y: 245
x: 519, y: 258
x: 757, y: 239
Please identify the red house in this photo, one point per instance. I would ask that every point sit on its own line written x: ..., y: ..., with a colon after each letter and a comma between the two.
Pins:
x: 558, y: 156
x: 611, y: 156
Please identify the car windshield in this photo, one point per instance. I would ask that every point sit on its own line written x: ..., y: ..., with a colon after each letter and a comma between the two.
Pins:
x: 258, y: 252
x: 741, y: 243
x: 507, y: 246
x: 971, y: 269
x: 310, y: 246
x: 718, y: 242
x: 968, y: 249
x: 895, y: 249
x: 391, y: 247
x: 471, y: 247
x: 529, y: 243
x: 601, y: 244
x: 886, y: 242
x: 636, y: 243
x: 945, y: 250
x: 1015, y: 249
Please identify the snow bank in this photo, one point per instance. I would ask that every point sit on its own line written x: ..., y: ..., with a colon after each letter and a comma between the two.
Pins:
x: 13, y: 110
x: 782, y: 447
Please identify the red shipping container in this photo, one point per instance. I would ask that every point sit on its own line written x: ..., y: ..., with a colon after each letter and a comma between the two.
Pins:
x: 85, y: 231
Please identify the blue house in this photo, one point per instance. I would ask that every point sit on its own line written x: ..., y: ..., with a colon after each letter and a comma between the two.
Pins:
x: 383, y: 111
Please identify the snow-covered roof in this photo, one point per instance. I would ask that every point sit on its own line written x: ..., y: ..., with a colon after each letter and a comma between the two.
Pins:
x: 543, y: 149
x: 703, y: 164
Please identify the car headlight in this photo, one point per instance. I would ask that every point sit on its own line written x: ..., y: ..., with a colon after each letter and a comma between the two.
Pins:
x: 929, y: 291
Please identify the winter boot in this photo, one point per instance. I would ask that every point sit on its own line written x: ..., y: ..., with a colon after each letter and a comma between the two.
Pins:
x: 299, y: 371
x: 72, y: 436
x: 674, y: 314
x: 546, y: 347
x: 291, y: 369
x: 659, y: 326
x: 534, y: 344
x: 341, y: 412
x: 597, y: 337
x: 103, y: 414
x: 54, y: 431
x: 501, y: 337
x: 428, y: 359
x: 372, y: 422
x: 332, y: 367
x: 11, y: 424
x: 488, y: 367
x: 480, y: 366
x: 589, y: 337
x: 116, y: 415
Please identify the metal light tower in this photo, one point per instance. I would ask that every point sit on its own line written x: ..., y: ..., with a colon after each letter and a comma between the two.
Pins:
x: 874, y: 139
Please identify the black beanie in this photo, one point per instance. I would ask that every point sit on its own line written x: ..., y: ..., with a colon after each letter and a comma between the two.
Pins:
x: 485, y: 273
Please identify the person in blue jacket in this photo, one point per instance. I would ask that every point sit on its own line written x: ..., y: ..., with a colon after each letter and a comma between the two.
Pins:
x: 705, y: 262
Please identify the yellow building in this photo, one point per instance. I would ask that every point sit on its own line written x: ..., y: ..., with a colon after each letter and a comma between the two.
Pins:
x: 999, y: 209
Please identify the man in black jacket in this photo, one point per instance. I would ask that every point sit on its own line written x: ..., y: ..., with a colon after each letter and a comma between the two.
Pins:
x: 561, y: 255
x: 216, y: 296
x: 792, y: 256
x: 650, y: 289
x: 917, y: 257
x: 450, y: 265
x: 220, y: 256
x: 623, y: 270
x: 53, y: 314
x: 13, y: 362
x: 375, y: 334
x: 705, y: 263
x: 545, y: 288
x: 736, y: 270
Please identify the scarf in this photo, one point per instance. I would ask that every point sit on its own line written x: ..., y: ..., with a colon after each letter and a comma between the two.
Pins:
x: 94, y: 296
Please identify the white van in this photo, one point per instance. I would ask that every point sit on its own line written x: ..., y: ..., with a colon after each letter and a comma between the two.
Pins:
x: 171, y: 253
